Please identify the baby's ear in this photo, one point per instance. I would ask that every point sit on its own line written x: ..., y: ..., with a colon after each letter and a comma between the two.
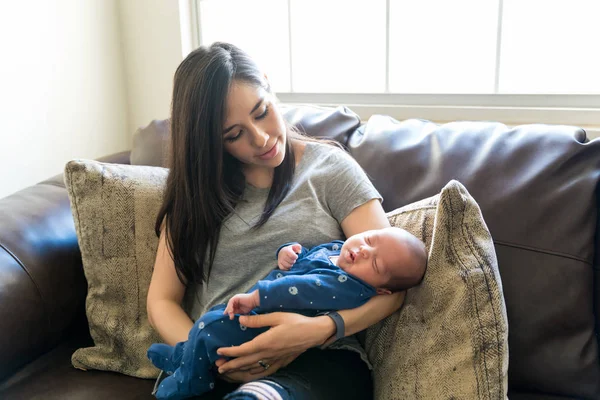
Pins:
x: 383, y: 291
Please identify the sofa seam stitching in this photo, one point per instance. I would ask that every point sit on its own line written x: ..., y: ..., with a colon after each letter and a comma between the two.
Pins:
x: 538, y: 250
x: 510, y: 244
x: 56, y: 184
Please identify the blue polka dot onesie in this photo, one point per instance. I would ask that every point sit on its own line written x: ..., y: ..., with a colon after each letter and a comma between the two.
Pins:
x: 314, y: 284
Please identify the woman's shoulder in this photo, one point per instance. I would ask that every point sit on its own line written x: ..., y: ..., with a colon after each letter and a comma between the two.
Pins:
x: 322, y: 162
x: 326, y: 152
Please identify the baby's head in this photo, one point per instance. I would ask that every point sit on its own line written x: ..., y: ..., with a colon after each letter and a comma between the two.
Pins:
x: 389, y: 259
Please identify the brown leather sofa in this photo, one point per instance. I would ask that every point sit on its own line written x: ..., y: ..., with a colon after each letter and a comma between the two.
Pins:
x: 537, y: 186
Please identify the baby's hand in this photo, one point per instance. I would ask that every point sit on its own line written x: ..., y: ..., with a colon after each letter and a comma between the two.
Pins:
x: 288, y: 256
x: 242, y: 304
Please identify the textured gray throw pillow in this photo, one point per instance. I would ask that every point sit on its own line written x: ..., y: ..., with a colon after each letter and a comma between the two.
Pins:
x: 114, y: 208
x: 450, y: 339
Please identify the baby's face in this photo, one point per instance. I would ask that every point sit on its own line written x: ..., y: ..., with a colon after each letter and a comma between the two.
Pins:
x: 372, y: 256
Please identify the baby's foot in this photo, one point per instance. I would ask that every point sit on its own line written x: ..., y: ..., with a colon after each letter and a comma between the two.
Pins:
x: 165, y: 357
x: 178, y: 386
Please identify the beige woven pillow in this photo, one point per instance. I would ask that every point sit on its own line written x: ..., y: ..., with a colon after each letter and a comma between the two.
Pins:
x: 450, y: 339
x: 114, y: 207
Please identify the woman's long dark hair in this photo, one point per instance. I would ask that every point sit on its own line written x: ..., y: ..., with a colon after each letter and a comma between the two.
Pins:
x: 205, y: 183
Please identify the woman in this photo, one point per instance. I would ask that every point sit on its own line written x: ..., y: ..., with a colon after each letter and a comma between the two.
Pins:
x: 241, y: 184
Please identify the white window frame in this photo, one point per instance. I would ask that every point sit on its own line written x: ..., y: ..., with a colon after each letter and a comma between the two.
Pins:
x: 510, y: 109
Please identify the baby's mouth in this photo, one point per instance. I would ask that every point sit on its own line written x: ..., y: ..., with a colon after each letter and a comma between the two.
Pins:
x: 351, y: 256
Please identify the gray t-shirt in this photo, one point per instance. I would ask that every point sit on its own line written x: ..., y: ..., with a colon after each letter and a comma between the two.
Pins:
x: 328, y: 184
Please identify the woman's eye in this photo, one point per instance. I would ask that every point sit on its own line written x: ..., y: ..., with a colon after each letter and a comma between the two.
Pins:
x: 234, y: 138
x: 264, y: 114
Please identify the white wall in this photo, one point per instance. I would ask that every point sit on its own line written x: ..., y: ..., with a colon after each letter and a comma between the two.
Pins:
x: 152, y: 47
x: 62, y: 87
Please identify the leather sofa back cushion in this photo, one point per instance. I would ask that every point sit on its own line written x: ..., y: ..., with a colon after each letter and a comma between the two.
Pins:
x: 450, y: 339
x: 114, y: 208
x: 536, y: 186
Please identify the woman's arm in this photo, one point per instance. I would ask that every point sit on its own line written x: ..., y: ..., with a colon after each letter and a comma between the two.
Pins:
x: 293, y: 333
x: 364, y: 218
x: 164, y: 298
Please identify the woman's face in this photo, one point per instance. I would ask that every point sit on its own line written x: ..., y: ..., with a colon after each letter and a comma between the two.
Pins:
x: 254, y: 130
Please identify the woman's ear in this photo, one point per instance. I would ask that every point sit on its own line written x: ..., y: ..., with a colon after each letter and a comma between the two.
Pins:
x: 383, y: 291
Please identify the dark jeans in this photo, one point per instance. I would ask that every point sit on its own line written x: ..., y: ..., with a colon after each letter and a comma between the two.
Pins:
x: 316, y: 375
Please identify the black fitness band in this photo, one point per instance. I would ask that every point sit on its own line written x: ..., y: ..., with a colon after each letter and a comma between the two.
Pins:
x: 340, y: 328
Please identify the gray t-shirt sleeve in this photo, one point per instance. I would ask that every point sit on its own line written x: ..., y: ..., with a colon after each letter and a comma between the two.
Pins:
x: 348, y: 187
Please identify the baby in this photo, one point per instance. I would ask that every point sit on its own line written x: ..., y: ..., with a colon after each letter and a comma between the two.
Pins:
x: 332, y: 276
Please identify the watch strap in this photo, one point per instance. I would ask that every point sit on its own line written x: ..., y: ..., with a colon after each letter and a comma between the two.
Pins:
x: 340, y: 327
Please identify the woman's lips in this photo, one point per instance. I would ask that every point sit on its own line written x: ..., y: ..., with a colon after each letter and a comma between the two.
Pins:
x: 269, y: 154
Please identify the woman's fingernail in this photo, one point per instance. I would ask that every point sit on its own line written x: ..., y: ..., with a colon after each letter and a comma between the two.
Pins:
x: 220, y: 370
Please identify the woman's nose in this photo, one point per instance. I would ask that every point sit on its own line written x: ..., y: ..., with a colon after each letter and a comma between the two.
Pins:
x: 259, y: 137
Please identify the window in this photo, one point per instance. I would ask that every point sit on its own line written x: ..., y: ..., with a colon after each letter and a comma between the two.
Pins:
x: 514, y: 61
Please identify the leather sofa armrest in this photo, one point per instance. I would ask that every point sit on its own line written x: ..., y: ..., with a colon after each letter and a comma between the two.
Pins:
x: 42, y: 284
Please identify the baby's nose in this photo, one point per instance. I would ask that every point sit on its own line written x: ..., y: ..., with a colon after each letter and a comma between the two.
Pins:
x: 364, y: 251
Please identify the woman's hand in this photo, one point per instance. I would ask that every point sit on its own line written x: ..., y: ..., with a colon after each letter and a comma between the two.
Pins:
x: 256, y: 372
x: 290, y: 335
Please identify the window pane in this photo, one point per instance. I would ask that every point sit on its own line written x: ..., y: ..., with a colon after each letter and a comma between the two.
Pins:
x: 338, y: 46
x: 441, y: 46
x: 259, y: 27
x: 550, y: 47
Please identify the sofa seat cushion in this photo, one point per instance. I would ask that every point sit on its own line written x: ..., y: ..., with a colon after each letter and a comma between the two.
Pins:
x: 52, y: 377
